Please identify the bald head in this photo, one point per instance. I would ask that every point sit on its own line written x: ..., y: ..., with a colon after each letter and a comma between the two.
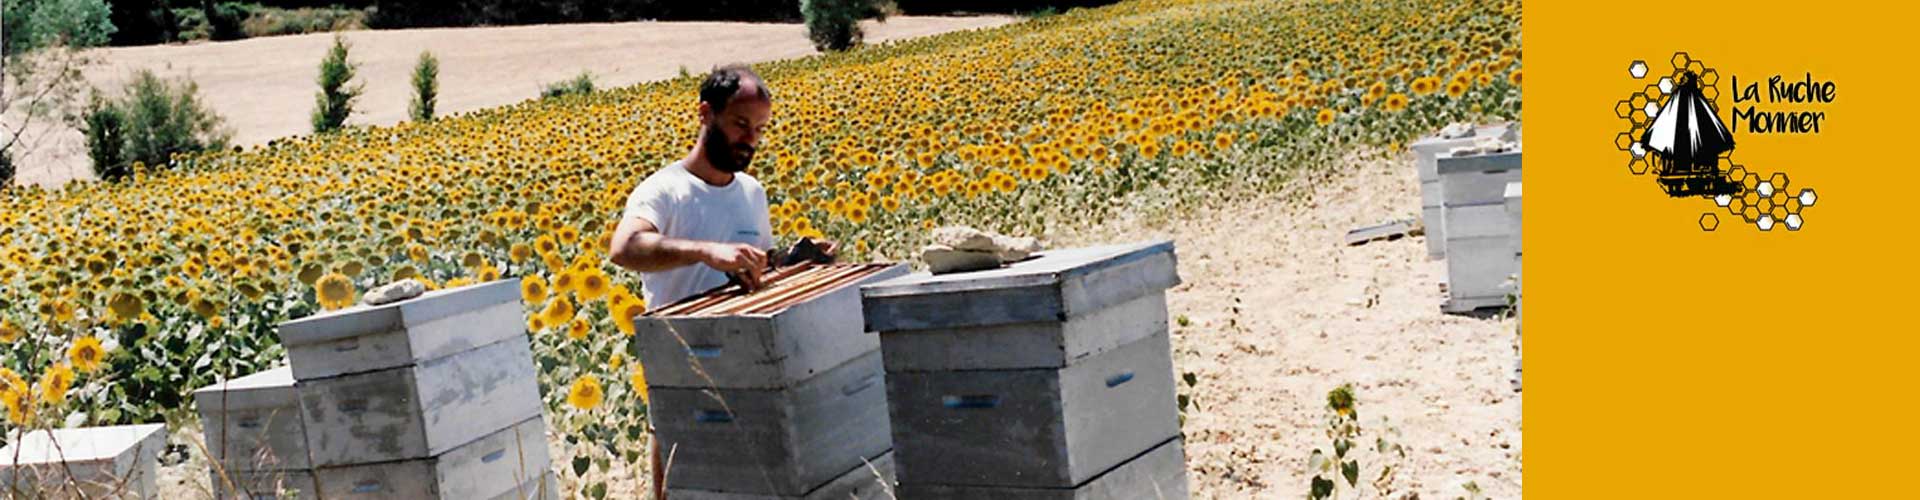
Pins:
x: 733, y: 83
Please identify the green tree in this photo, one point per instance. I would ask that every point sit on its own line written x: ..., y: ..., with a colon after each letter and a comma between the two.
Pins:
x: 105, y: 127
x: 833, y: 24
x: 335, y: 100
x: 426, y: 87
x: 152, y: 121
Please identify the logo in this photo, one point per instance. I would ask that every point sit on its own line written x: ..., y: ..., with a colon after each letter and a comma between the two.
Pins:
x: 1674, y: 133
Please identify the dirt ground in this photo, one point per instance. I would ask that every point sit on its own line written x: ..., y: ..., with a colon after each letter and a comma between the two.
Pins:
x: 1280, y: 311
x: 264, y: 87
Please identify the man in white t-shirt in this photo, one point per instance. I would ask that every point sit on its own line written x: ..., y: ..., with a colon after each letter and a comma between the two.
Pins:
x: 692, y: 223
x: 695, y: 221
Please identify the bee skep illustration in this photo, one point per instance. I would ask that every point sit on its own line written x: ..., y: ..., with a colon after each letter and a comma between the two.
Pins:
x: 1686, y: 141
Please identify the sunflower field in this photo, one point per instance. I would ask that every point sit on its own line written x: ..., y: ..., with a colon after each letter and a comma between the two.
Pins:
x: 118, y: 299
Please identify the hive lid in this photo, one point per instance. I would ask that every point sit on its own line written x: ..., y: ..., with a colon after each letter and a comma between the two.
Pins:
x: 784, y: 288
x: 268, y: 389
x: 365, y: 320
x: 271, y: 378
x: 1046, y: 268
x: 1053, y: 286
x: 1482, y: 162
x: 86, y: 444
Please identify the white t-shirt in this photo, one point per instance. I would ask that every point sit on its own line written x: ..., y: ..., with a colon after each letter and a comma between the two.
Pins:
x: 684, y: 207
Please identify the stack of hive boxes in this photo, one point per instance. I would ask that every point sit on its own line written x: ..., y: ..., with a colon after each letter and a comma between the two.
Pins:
x: 776, y: 394
x: 432, y: 397
x: 1426, y: 161
x: 118, y: 462
x: 1479, y: 235
x: 1048, y: 378
x: 253, y: 432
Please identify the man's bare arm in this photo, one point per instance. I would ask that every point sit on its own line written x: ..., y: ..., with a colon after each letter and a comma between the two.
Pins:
x: 639, y: 246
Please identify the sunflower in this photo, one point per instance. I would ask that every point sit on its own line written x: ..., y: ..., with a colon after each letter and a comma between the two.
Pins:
x: 19, y: 406
x: 533, y: 290
x: 614, y: 361
x: 545, y: 245
x: 586, y: 393
x: 1426, y: 85
x: 1325, y: 117
x: 86, y: 354
x: 473, y: 260
x: 578, y: 329
x: 536, y: 323
x: 558, y: 311
x: 309, y: 273
x: 1456, y: 88
x: 593, y: 285
x: 334, y: 291
x: 519, y: 252
x: 640, y: 381
x: 8, y: 332
x: 55, y: 383
x: 486, y: 274
x: 1396, y: 102
x: 1514, y: 78
x: 11, y: 382
x: 565, y: 282
x: 623, y: 313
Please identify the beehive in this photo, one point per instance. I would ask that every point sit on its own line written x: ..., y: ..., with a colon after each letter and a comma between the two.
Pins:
x: 1479, y: 237
x: 1033, y: 379
x: 1426, y: 152
x: 88, y: 462
x: 253, y: 430
x: 777, y: 393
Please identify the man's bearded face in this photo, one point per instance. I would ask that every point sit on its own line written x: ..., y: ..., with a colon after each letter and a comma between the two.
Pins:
x: 734, y: 134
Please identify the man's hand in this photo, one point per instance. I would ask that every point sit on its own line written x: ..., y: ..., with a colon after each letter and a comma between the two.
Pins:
x: 737, y: 259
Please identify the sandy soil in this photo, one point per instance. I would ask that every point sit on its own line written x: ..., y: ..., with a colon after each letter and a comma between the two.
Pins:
x: 264, y: 87
x: 1279, y: 311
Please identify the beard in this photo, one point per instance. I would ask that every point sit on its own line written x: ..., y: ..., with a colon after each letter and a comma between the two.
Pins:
x: 726, y: 156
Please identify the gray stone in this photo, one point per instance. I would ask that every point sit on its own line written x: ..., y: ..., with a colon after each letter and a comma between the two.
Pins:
x: 759, y: 351
x: 105, y: 462
x: 941, y: 259
x: 1156, y: 474
x: 871, y: 480
x: 502, y: 464
x: 437, y: 324
x: 252, y: 423
x: 964, y: 238
x: 773, y: 442
x: 1047, y: 344
x: 394, y: 292
x: 1057, y: 285
x: 1039, y: 428
x: 421, y: 410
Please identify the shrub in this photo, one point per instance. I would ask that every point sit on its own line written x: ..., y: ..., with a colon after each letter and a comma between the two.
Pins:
x: 32, y: 24
x: 426, y: 87
x: 153, y: 120
x: 105, y: 126
x: 272, y: 21
x: 833, y: 24
x: 6, y: 169
x: 582, y: 84
x: 335, y: 100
